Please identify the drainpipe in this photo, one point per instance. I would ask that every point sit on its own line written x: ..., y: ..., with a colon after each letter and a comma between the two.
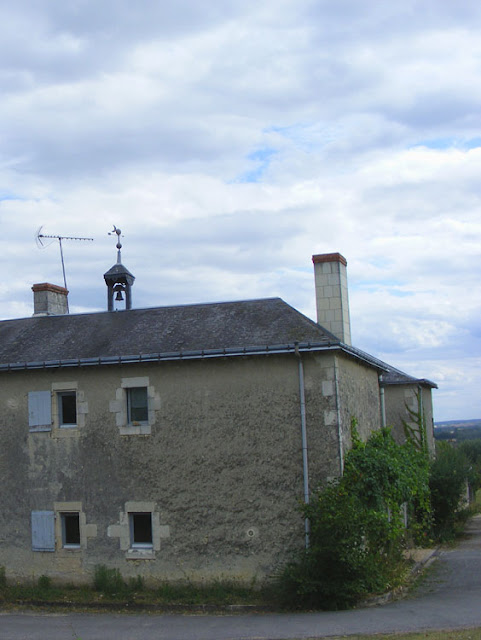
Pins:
x: 423, y: 432
x: 305, y: 463
x: 338, y: 411
x: 383, y: 402
x: 420, y: 402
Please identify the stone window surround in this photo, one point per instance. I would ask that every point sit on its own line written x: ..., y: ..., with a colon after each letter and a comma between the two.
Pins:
x: 59, y: 430
x: 122, y: 530
x: 119, y: 407
x: 86, y: 530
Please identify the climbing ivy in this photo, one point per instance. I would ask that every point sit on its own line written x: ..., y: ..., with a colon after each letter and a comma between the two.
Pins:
x: 390, y: 478
x: 417, y: 434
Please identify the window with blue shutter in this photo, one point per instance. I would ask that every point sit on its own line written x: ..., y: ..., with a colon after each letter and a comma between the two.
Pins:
x: 40, y: 410
x: 43, y: 531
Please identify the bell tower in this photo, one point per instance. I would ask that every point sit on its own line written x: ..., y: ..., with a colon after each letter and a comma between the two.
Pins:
x: 118, y: 279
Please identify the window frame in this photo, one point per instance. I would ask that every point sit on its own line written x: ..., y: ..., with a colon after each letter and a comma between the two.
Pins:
x: 118, y: 407
x: 130, y: 391
x: 67, y: 393
x: 63, y: 516
x: 140, y: 545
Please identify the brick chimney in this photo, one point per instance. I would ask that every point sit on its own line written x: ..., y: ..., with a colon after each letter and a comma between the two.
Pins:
x: 49, y: 300
x: 332, y: 302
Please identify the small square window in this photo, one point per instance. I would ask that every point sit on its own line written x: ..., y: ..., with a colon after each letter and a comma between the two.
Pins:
x: 70, y: 530
x: 67, y: 408
x: 140, y: 530
x: 137, y: 405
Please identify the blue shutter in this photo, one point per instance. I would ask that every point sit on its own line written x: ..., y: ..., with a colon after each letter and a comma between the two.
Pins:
x: 39, y: 410
x: 43, y: 531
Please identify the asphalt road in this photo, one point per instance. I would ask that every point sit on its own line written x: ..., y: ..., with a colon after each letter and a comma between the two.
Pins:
x: 450, y: 598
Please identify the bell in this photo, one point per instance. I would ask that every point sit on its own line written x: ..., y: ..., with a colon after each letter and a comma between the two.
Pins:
x: 119, y: 296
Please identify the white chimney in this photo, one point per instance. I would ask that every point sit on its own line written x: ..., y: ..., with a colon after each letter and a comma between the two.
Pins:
x: 49, y: 300
x: 332, y: 301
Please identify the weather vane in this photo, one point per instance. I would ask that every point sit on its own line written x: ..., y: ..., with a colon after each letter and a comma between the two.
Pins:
x: 118, y: 232
x: 40, y: 237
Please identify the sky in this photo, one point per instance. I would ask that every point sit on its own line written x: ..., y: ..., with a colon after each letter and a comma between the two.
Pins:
x: 231, y: 140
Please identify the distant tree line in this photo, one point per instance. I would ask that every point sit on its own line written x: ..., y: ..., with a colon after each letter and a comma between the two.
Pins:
x: 458, y: 432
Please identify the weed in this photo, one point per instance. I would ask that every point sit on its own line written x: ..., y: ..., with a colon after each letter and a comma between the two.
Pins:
x: 44, y: 583
x: 3, y: 578
x: 108, y: 581
x: 136, y: 584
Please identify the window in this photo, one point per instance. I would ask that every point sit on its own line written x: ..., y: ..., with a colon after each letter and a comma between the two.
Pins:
x: 137, y: 405
x: 63, y: 529
x: 58, y: 410
x: 70, y: 530
x: 67, y: 408
x: 140, y: 530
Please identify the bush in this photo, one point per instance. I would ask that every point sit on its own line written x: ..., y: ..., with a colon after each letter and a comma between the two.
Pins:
x: 449, y: 474
x: 356, y: 526
x: 350, y: 554
x: 472, y: 450
x: 390, y: 477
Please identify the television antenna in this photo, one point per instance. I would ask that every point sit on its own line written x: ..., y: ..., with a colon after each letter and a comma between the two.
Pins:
x: 40, y: 237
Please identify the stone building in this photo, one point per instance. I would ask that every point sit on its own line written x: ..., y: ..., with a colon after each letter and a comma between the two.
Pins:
x: 177, y: 442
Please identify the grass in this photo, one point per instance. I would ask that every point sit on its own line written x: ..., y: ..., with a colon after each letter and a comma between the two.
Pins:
x: 109, y: 589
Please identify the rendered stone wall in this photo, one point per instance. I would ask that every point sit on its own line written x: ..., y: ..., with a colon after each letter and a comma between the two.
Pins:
x: 399, y: 400
x: 322, y: 419
x: 221, y: 469
x: 359, y: 399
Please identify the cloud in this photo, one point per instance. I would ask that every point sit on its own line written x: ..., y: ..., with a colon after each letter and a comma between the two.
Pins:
x: 231, y: 141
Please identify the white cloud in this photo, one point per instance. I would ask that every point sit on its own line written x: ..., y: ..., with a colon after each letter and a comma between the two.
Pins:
x: 231, y: 141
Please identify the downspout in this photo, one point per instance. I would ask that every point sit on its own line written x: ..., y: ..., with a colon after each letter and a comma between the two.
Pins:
x: 338, y: 412
x: 382, y: 402
x: 305, y: 463
x: 420, y: 402
x: 422, y: 425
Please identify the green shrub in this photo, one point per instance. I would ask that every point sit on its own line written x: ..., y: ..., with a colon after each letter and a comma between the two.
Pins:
x: 472, y: 450
x: 449, y: 474
x: 389, y: 476
x: 357, y: 529
x: 351, y: 554
x: 108, y: 581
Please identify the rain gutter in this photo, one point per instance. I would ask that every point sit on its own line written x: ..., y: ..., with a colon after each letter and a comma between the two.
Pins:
x: 204, y: 354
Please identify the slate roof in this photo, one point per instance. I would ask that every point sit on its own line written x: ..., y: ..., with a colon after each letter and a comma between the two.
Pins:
x: 268, y: 325
x: 248, y: 325
x: 391, y: 375
x: 395, y: 376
